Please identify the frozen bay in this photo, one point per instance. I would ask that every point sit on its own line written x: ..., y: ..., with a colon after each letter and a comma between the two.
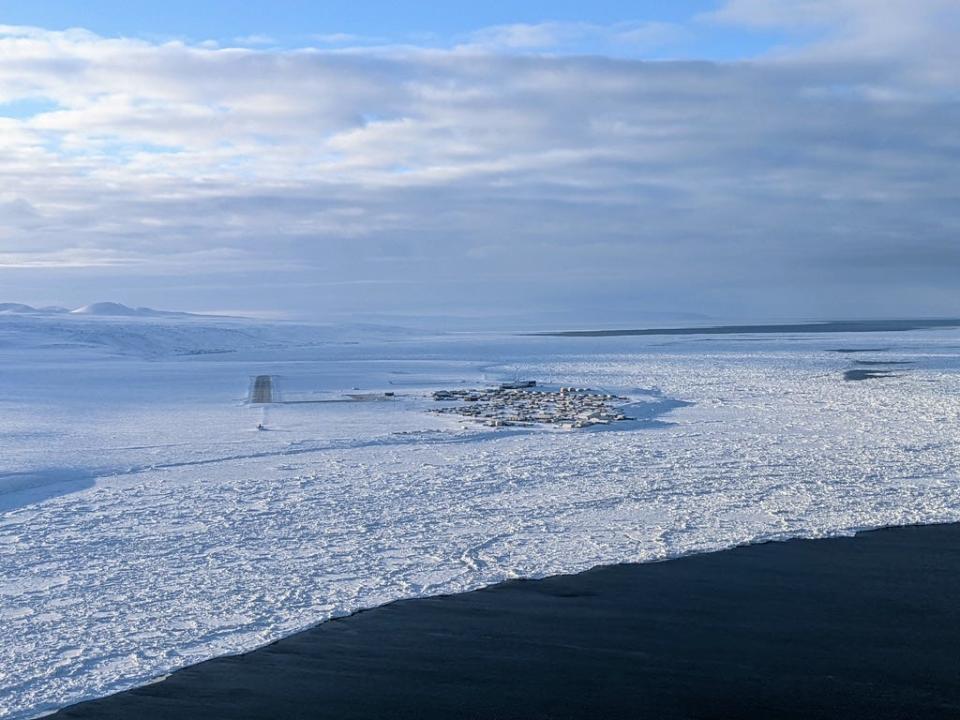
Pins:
x: 145, y: 523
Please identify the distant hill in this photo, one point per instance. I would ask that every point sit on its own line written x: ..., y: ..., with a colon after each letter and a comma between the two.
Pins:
x: 16, y: 308
x: 118, y: 329
x: 104, y: 309
x: 112, y: 309
x: 21, y: 309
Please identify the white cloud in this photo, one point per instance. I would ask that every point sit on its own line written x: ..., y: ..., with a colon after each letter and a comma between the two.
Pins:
x: 917, y: 37
x: 255, y: 40
x: 579, y: 37
x: 524, y: 36
x: 539, y: 179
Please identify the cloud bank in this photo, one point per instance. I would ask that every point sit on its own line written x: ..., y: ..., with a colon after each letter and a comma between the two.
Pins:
x: 502, y: 174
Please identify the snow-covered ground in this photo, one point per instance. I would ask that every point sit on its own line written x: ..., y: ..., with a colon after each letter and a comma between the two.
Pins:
x: 145, y: 523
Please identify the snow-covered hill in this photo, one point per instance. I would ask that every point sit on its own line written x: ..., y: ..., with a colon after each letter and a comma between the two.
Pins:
x: 118, y: 329
x: 13, y: 308
x: 112, y: 309
x: 104, y: 309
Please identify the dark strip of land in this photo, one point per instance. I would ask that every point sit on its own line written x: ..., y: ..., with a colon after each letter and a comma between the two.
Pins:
x: 837, y: 326
x: 262, y: 390
x: 859, y: 374
x: 864, y: 627
x: 870, y: 363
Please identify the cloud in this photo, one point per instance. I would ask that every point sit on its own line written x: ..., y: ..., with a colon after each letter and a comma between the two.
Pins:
x: 499, y: 172
x: 584, y: 38
x: 839, y: 16
x: 255, y: 40
x: 915, y: 39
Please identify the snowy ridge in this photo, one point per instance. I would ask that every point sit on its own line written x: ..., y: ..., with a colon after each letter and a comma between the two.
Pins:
x: 106, y: 309
x: 21, y: 309
x: 152, y: 333
x: 178, y: 532
x: 109, y: 309
x: 112, y: 309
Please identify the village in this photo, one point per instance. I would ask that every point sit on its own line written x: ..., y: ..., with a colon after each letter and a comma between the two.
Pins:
x: 521, y: 404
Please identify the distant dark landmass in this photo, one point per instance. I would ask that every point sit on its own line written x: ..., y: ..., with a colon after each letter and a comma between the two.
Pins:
x: 863, y: 627
x: 833, y: 326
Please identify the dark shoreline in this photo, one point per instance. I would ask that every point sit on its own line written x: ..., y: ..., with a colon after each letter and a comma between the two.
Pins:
x: 832, y: 326
x: 861, y: 627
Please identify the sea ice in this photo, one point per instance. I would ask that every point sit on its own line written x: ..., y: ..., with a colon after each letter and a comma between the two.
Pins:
x: 145, y: 524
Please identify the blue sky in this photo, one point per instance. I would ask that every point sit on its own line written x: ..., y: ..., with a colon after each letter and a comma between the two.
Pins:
x: 565, y: 161
x: 298, y: 23
x: 223, y: 19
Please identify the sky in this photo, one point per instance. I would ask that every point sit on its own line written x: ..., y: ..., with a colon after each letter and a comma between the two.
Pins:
x: 515, y: 162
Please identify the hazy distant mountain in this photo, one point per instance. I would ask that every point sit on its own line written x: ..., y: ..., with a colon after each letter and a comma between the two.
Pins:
x: 21, y: 309
x: 16, y: 308
x: 112, y: 309
x: 104, y: 309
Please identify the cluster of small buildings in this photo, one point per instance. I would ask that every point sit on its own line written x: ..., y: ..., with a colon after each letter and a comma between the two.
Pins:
x: 518, y: 404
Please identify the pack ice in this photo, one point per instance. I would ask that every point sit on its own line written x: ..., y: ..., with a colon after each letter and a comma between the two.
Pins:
x: 146, y: 523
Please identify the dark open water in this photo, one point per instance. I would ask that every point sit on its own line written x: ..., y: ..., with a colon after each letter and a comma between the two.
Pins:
x: 864, y: 627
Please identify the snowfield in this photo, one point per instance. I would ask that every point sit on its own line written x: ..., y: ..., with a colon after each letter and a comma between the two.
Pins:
x: 145, y: 524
